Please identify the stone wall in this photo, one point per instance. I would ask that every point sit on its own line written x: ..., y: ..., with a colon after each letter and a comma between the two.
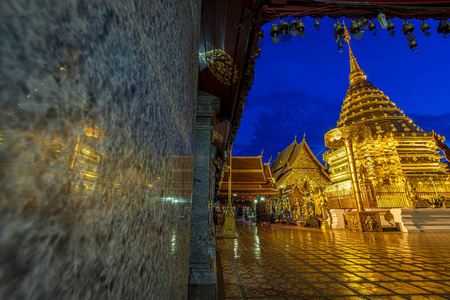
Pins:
x: 96, y: 153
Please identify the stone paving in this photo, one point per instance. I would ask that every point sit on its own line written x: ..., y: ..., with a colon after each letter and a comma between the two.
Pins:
x: 287, y: 262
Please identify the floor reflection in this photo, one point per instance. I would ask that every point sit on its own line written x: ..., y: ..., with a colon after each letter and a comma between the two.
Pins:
x: 290, y: 263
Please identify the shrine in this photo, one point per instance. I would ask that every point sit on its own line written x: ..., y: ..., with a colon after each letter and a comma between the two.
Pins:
x: 252, y: 188
x: 301, y: 180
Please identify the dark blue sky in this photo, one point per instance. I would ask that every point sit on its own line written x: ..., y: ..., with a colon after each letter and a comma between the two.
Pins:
x: 300, y: 85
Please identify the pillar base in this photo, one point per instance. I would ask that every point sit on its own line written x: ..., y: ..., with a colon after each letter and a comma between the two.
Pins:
x: 201, y: 274
x: 229, y: 227
x: 202, y: 292
x: 364, y: 221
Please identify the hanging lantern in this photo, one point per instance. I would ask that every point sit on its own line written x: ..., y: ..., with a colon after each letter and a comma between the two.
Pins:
x: 382, y: 19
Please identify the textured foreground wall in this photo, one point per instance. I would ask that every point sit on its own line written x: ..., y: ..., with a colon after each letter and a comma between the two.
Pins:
x: 97, y: 120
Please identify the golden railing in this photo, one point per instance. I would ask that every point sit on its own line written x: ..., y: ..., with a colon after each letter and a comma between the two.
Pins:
x: 341, y: 199
x: 390, y: 196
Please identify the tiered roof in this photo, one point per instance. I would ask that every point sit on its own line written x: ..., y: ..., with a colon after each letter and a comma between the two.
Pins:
x: 294, y: 157
x: 249, y: 176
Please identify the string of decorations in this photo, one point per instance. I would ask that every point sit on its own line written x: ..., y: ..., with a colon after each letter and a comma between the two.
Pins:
x: 284, y: 31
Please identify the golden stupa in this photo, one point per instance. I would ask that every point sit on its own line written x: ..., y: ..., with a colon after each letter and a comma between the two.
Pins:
x: 397, y: 164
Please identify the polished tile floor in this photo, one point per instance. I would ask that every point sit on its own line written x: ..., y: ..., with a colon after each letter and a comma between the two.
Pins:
x: 287, y: 262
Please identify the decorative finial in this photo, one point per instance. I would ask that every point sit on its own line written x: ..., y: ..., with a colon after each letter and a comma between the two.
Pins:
x: 262, y: 152
x: 304, y: 134
x: 356, y: 74
x: 295, y: 138
x: 347, y: 36
x: 269, y: 160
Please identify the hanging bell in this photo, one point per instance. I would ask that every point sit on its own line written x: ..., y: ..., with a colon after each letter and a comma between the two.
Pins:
x: 372, y: 26
x: 339, y: 43
x: 256, y: 51
x: 447, y: 31
x: 359, y: 35
x: 408, y: 28
x: 424, y: 27
x: 364, y: 21
x: 355, y: 27
x: 260, y: 35
x: 274, y: 31
x: 390, y: 26
x: 317, y: 24
x: 412, y: 44
x: 338, y: 30
x: 249, y: 72
x: 301, y: 26
x: 442, y: 27
x: 293, y: 25
x: 284, y: 27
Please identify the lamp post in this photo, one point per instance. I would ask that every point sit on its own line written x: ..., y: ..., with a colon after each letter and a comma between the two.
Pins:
x: 229, y: 214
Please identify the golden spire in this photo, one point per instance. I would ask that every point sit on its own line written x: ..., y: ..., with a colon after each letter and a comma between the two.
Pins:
x: 356, y: 74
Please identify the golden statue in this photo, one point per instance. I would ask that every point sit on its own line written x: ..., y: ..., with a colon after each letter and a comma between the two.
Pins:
x: 297, y: 210
x: 323, y: 205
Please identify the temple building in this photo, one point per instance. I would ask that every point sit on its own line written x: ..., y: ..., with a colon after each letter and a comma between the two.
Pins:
x: 397, y: 162
x: 250, y: 177
x: 252, y: 186
x: 298, y: 174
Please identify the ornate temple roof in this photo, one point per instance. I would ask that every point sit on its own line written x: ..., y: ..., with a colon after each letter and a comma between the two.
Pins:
x: 282, y: 159
x: 249, y: 176
x: 293, y: 157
